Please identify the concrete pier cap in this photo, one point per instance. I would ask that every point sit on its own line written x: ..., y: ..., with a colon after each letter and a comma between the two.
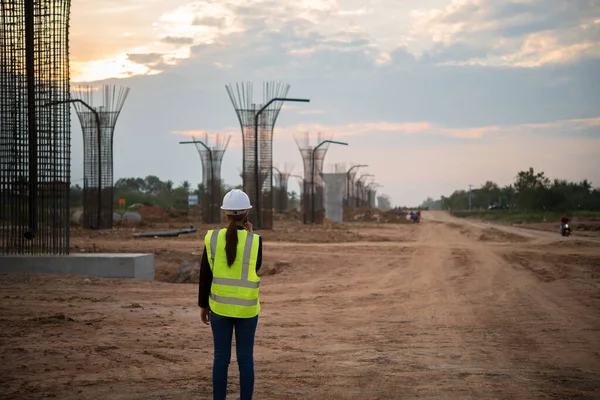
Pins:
x: 101, y: 265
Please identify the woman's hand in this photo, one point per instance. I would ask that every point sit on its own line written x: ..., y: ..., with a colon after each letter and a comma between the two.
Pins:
x: 248, y: 226
x: 205, y: 315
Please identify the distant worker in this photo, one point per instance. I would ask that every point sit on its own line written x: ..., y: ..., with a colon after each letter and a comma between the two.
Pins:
x: 228, y: 293
x: 563, y: 222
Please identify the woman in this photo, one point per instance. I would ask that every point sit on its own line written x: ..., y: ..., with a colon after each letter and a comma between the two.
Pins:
x: 228, y: 293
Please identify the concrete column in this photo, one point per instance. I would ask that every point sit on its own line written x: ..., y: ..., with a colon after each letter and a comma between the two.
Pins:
x: 335, y: 184
x: 371, y: 195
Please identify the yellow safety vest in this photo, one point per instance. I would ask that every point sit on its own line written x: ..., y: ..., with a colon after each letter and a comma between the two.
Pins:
x: 234, y: 289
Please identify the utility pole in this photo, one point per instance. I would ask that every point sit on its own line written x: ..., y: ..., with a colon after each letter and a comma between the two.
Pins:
x: 98, y: 126
x: 350, y: 183
x: 256, y: 170
x: 359, y: 194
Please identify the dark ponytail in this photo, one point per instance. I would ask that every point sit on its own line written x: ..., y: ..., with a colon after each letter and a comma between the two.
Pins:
x: 231, y: 238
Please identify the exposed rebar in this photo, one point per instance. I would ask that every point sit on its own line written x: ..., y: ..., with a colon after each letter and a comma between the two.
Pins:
x: 280, y: 191
x: 98, y: 166
x: 306, y: 151
x: 258, y: 154
x: 212, y: 159
x: 34, y: 139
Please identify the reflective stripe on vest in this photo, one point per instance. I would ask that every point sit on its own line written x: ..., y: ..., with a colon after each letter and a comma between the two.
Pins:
x: 234, y: 289
x: 243, y: 281
x: 233, y: 301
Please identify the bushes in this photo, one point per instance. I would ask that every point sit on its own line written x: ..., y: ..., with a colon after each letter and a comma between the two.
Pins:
x: 531, y: 192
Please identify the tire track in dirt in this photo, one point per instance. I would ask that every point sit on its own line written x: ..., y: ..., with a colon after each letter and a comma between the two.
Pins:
x: 443, y: 315
x: 536, y: 323
x: 476, y: 296
x: 438, y: 342
x: 448, y: 321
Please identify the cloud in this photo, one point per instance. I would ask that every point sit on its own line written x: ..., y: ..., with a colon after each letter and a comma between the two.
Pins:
x: 441, y: 169
x: 213, y: 22
x: 517, y: 34
x: 399, y: 98
x: 467, y: 32
x: 311, y: 112
x: 384, y: 131
x: 146, y: 59
x: 305, y: 27
x: 178, y: 40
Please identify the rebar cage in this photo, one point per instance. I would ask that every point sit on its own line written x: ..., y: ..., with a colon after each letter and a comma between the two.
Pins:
x: 280, y: 191
x: 212, y: 159
x: 313, y: 183
x: 362, y: 199
x: 98, y: 192
x: 351, y: 189
x: 301, y: 193
x: 34, y: 127
x: 241, y: 96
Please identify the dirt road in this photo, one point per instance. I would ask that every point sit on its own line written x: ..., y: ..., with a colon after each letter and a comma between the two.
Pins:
x: 446, y: 309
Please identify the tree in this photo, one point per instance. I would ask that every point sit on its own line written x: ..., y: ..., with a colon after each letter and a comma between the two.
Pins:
x: 186, y: 185
x: 531, y: 191
x: 153, y: 185
x: 530, y: 180
x: 293, y: 200
x: 384, y: 202
x: 431, y: 204
x: 135, y: 184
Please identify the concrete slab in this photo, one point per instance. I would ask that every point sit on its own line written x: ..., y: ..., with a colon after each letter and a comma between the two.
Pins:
x: 105, y: 265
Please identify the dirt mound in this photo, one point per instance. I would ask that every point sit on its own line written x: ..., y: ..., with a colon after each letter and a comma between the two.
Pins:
x: 548, y: 267
x: 273, y: 269
x: 299, y: 233
x: 570, y: 243
x: 496, y: 235
x: 588, y: 226
x: 176, y: 213
x: 153, y: 213
x: 366, y: 214
x: 290, y: 215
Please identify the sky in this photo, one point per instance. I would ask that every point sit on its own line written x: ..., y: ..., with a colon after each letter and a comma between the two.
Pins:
x: 432, y: 95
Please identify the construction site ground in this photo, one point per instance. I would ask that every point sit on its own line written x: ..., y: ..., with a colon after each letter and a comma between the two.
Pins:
x: 446, y: 309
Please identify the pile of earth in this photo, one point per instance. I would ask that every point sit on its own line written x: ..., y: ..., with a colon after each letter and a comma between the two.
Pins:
x: 366, y: 214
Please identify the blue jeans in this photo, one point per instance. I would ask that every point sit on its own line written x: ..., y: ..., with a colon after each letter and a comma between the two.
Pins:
x: 222, y: 328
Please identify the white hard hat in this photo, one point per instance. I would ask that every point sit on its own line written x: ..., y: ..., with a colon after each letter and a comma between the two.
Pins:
x: 236, y: 202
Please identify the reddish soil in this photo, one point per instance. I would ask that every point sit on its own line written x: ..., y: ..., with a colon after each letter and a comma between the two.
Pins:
x: 445, y: 309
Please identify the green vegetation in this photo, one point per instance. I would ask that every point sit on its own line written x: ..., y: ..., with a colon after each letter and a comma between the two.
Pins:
x: 531, y: 198
x: 151, y: 191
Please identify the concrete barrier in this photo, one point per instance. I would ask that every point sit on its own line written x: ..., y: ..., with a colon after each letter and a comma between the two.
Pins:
x: 105, y: 265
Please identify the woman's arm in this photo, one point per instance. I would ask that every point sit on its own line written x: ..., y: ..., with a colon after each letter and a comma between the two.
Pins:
x: 259, y: 256
x: 206, y: 278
